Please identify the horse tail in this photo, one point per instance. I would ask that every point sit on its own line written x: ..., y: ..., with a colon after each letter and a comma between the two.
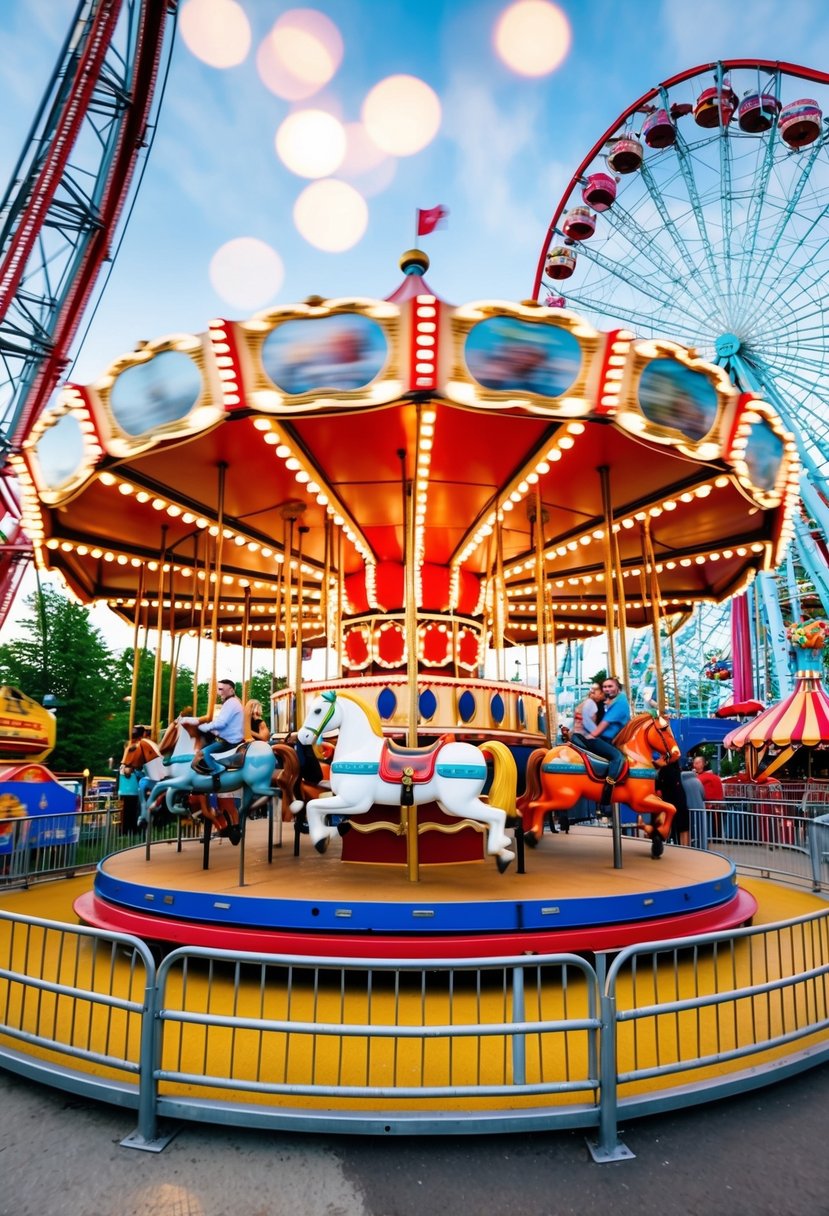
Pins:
x: 505, y: 776
x: 532, y: 780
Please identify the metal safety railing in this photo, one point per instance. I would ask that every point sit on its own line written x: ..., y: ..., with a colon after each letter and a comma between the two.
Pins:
x: 398, y: 1046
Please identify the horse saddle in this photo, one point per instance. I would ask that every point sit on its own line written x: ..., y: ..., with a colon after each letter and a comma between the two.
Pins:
x: 228, y: 760
x: 597, y: 766
x: 395, y: 760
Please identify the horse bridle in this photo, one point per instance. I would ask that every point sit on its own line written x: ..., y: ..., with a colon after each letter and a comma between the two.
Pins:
x: 662, y: 731
x: 331, y: 697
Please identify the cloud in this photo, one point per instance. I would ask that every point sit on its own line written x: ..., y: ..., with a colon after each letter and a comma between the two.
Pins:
x: 708, y: 30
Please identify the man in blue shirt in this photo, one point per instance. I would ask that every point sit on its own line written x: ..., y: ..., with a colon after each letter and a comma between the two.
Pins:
x: 600, y: 739
x: 226, y: 731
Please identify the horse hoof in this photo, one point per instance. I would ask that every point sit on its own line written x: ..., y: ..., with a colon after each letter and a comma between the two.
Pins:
x: 503, y: 864
x: 344, y: 827
x: 321, y: 845
x: 657, y: 846
x: 234, y: 833
x: 531, y: 840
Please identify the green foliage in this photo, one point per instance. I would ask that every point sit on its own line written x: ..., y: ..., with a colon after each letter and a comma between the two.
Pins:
x: 63, y: 655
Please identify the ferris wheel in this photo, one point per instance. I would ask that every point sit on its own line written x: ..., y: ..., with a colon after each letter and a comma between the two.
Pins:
x: 702, y: 215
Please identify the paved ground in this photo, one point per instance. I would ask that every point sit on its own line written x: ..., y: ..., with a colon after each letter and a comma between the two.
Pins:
x: 758, y: 1155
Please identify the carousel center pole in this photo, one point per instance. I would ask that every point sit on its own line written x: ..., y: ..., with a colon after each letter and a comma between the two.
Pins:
x: 407, y: 808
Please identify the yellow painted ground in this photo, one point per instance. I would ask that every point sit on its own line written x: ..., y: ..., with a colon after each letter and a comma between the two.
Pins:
x: 302, y: 1057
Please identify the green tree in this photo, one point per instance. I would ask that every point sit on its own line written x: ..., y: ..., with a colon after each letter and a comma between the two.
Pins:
x: 62, y: 655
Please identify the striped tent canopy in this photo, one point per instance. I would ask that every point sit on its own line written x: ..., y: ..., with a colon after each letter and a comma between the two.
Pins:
x: 799, y: 720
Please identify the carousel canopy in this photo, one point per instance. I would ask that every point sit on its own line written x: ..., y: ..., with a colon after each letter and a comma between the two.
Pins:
x: 285, y: 459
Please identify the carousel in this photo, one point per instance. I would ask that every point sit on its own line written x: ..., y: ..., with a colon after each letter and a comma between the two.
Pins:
x: 407, y: 486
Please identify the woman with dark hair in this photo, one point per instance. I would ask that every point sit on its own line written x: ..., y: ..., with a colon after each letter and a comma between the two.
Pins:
x: 670, y: 787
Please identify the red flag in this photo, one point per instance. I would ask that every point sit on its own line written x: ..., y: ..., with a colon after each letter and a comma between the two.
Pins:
x: 428, y: 220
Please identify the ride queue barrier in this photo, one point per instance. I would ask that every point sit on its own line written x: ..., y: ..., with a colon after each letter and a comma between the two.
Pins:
x: 516, y: 1044
x: 400, y: 1047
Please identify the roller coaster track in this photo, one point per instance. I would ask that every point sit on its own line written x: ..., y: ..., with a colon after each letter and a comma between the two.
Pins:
x: 60, y: 215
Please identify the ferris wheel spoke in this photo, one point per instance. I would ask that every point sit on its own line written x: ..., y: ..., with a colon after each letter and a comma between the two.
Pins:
x: 667, y: 220
x: 686, y: 167
x: 644, y: 286
x: 759, y: 197
x: 763, y: 264
x: 635, y: 318
x: 622, y: 222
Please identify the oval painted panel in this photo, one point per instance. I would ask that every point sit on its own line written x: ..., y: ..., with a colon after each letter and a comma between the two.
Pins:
x: 339, y: 354
x: 521, y: 710
x: 497, y: 709
x: 153, y: 394
x: 519, y: 356
x: 427, y: 704
x: 60, y: 451
x: 677, y: 398
x: 763, y: 456
x: 386, y: 704
x: 467, y: 706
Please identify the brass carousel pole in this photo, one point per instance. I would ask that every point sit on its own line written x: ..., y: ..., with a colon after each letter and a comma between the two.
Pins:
x: 610, y: 612
x: 217, y: 592
x: 551, y: 708
x: 246, y: 648
x: 537, y: 521
x: 326, y: 587
x: 340, y: 598
x: 408, y: 808
x: 621, y: 608
x: 291, y: 512
x: 171, y: 691
x: 656, y: 613
x: 205, y: 591
x: 136, y: 654
x: 300, y: 717
x: 277, y: 618
x: 500, y: 595
x: 156, y: 701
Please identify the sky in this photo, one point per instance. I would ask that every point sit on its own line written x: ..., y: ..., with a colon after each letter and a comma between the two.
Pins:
x: 503, y: 147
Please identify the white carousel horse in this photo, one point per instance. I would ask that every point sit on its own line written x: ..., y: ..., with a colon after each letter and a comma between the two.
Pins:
x: 252, y: 777
x: 458, y: 773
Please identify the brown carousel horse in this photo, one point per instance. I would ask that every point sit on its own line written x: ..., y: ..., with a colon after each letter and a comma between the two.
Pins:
x: 273, y: 770
x: 558, y: 778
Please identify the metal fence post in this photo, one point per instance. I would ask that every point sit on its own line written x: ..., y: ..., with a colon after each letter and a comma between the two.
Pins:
x: 608, y: 1146
x: 519, y: 1041
x: 147, y: 1135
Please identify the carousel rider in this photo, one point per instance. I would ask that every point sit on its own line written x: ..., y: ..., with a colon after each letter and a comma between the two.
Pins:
x: 223, y: 733
x: 600, y: 739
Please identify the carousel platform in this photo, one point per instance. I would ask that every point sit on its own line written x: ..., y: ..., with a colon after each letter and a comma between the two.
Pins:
x: 569, y: 899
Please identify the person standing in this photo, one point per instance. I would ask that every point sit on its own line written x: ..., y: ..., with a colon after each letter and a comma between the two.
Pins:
x: 712, y: 788
x: 224, y: 732
x: 600, y: 739
x: 131, y: 761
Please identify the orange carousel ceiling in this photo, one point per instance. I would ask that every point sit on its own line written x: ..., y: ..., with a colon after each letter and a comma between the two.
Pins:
x: 297, y: 450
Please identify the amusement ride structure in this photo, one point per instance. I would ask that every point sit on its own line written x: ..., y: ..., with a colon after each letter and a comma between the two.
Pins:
x: 700, y: 215
x: 407, y: 484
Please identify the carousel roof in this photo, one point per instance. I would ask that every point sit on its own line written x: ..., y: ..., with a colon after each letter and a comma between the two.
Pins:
x: 300, y: 433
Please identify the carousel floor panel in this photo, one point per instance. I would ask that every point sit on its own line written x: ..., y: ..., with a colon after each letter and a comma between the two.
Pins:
x: 570, y: 898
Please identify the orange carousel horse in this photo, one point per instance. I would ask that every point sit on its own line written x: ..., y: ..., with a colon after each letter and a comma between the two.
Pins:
x: 558, y: 778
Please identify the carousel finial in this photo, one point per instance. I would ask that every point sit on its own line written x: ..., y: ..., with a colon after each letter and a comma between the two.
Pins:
x: 414, y: 261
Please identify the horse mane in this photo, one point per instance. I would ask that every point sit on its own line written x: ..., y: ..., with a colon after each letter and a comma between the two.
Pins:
x: 631, y: 728
x: 369, y: 710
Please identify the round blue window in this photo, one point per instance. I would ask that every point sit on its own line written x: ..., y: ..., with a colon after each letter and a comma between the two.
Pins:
x: 427, y: 704
x: 497, y: 709
x: 466, y: 706
x: 386, y: 704
x: 521, y: 709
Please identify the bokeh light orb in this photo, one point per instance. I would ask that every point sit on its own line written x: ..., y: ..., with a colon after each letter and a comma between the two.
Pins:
x: 215, y: 31
x: 311, y: 143
x: 331, y: 215
x: 402, y: 115
x: 532, y: 37
x: 246, y: 272
x: 300, y: 55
